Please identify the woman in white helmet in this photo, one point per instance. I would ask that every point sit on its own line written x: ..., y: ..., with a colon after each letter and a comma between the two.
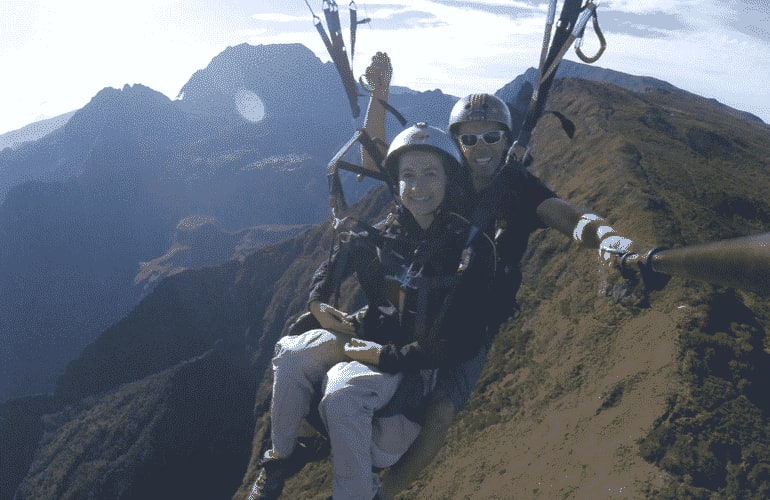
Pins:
x: 423, y: 314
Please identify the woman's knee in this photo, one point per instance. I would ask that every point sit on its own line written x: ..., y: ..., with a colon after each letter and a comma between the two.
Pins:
x: 343, y: 394
x: 339, y: 406
x: 299, y: 349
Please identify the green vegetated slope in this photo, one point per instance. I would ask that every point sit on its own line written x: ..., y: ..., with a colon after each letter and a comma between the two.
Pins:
x: 161, y: 405
x: 595, y: 390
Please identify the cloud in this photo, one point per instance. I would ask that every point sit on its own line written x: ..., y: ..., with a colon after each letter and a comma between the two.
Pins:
x: 652, y: 25
x: 752, y: 18
x: 65, y: 52
x: 274, y: 17
x: 430, y: 42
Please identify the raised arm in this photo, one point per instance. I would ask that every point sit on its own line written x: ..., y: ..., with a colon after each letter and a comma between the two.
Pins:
x: 377, y: 77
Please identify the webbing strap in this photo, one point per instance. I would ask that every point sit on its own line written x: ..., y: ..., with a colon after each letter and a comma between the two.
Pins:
x: 547, y: 35
x: 394, y: 112
x: 370, y: 145
x: 424, y: 286
x: 336, y: 194
x: 331, y: 12
x: 570, y: 12
x: 335, y: 46
x: 353, y: 26
x: 589, y: 10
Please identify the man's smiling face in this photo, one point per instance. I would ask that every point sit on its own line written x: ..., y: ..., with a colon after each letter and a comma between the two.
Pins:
x: 484, y: 145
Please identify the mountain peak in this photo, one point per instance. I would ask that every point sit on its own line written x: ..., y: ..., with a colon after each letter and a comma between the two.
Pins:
x: 270, y: 73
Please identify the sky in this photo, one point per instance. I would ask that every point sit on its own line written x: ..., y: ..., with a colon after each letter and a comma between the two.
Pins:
x: 56, y: 55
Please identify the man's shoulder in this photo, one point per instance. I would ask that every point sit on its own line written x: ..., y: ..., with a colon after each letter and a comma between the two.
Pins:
x: 517, y: 178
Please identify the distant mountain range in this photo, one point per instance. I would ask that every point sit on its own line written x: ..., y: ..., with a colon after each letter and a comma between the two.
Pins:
x: 33, y: 131
x: 87, y: 206
x: 159, y: 358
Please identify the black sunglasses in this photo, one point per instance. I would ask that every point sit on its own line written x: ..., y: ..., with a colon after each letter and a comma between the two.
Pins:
x: 491, y: 137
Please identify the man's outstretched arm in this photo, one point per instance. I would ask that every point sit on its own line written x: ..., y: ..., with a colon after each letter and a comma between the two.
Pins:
x: 585, y: 228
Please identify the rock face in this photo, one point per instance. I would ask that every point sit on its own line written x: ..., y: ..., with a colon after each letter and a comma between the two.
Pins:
x: 203, y: 241
x: 597, y: 387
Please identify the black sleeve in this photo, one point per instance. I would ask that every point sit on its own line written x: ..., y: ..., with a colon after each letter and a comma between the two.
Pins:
x: 530, y: 192
x: 321, y: 287
x: 355, y: 255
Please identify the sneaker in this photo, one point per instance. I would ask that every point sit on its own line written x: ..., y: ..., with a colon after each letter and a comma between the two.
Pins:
x: 270, y: 481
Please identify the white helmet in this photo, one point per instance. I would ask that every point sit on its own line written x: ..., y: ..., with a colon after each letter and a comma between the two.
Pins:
x: 480, y: 107
x: 424, y: 136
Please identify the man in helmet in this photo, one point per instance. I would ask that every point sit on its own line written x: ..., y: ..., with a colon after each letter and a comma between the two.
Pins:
x: 517, y: 203
x: 409, y: 274
x: 482, y: 126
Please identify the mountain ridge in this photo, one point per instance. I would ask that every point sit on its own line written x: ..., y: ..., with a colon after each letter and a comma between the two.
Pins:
x: 586, y: 383
x: 667, y: 167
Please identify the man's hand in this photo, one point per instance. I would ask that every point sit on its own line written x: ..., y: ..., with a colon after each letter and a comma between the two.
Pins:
x: 332, y: 319
x: 642, y: 262
x: 378, y: 75
x: 612, y: 248
x: 377, y: 83
x: 363, y: 351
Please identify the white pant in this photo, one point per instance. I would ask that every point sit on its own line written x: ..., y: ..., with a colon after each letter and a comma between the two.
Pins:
x: 352, y: 393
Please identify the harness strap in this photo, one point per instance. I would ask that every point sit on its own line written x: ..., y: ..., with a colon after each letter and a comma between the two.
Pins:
x: 424, y: 286
x: 394, y: 112
x: 331, y: 12
x: 354, y: 22
x: 336, y: 193
x: 547, y: 35
x: 353, y: 25
x: 324, y: 36
x: 577, y: 32
x: 570, y: 13
x: 335, y: 46
x: 370, y: 145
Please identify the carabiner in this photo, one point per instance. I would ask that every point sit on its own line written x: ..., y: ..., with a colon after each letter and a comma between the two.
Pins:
x: 590, y: 7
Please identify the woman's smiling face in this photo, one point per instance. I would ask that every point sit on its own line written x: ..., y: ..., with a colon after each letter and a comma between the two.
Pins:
x: 422, y: 183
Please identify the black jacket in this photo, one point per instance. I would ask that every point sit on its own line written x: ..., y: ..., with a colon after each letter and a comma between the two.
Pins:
x: 424, y: 313
x: 508, y: 209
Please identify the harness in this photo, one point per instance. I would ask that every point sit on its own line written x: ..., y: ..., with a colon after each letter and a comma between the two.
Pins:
x: 414, y: 286
x: 570, y: 29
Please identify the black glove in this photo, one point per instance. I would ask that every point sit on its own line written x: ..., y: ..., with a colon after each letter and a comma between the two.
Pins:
x: 641, y: 263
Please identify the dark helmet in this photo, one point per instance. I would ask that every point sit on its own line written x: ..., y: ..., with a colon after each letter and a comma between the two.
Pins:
x: 480, y: 107
x: 423, y: 136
